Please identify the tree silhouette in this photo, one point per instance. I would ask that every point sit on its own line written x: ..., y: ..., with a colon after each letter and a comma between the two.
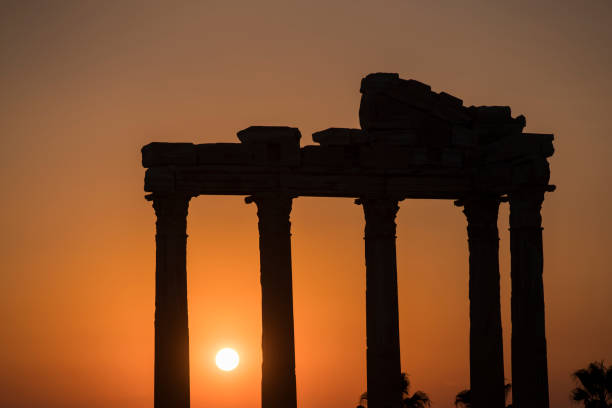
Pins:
x: 417, y: 400
x: 463, y: 398
x: 594, y: 386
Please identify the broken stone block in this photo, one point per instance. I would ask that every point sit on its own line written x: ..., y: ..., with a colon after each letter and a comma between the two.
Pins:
x: 391, y: 106
x: 489, y: 132
x: 448, y: 99
x: 388, y: 102
x: 377, y: 82
x: 519, y: 146
x: 490, y: 114
x: 450, y: 109
x: 267, y: 134
x: 272, y: 145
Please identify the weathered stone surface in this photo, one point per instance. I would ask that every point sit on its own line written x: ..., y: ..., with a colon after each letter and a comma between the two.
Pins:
x: 339, y: 137
x: 500, y: 166
x: 232, y: 183
x: 493, y: 123
x: 530, y: 172
x: 490, y: 114
x: 160, y: 180
x: 448, y: 99
x: 392, y: 104
x: 463, y: 136
x: 163, y: 154
x: 223, y: 153
x: 522, y: 145
x: 389, y: 102
x: 380, y: 156
x: 270, y: 134
x: 402, y: 137
x: 328, y: 156
x: 450, y: 109
x: 440, y: 167
x: 272, y: 145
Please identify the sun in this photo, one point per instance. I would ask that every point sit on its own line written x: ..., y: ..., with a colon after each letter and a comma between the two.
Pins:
x: 227, y: 359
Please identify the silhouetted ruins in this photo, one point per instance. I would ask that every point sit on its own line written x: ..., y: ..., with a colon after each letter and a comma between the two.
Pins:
x: 413, y: 143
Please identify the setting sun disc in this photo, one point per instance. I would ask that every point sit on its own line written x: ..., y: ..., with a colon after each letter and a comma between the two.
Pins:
x: 227, y: 359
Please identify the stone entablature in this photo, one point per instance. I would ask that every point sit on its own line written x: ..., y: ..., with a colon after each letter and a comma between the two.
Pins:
x: 415, y: 143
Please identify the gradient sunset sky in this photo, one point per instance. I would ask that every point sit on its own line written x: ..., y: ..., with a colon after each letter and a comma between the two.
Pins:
x: 85, y: 84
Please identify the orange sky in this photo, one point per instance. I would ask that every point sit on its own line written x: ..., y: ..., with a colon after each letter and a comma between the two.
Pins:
x: 86, y: 83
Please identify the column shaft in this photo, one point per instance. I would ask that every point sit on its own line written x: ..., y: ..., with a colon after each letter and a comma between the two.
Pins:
x: 278, y: 385
x: 486, y: 344
x: 171, y: 377
x: 529, y: 360
x: 382, y: 320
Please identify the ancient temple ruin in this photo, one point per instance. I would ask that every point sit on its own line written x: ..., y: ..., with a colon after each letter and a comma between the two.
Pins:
x: 413, y: 143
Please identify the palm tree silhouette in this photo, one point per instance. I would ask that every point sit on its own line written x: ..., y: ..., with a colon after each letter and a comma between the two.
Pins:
x: 463, y: 398
x: 594, y: 386
x: 418, y: 400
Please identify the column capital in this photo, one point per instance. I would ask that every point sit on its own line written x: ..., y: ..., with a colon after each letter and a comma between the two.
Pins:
x: 273, y: 212
x: 171, y: 211
x: 525, y: 209
x: 273, y: 204
x: 481, y: 212
x: 379, y: 216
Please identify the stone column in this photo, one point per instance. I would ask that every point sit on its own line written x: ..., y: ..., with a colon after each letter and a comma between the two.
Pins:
x: 382, y: 320
x: 486, y: 344
x: 529, y: 361
x: 278, y: 389
x: 171, y: 378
